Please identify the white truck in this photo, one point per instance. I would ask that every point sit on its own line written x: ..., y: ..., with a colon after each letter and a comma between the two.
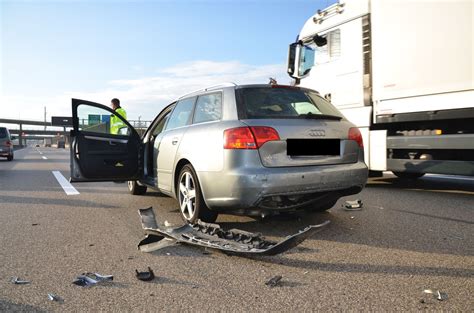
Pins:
x: 403, y: 72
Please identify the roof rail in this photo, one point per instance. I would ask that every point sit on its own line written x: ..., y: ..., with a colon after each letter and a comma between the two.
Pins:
x: 229, y: 84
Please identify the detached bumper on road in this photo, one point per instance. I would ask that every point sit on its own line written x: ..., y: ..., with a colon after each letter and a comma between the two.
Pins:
x: 237, y: 242
x: 247, y: 187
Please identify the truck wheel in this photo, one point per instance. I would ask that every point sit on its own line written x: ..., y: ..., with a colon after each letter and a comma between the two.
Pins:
x: 135, y: 188
x: 408, y: 175
x: 190, y: 199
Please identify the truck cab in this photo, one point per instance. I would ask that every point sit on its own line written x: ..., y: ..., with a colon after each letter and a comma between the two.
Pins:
x: 403, y: 73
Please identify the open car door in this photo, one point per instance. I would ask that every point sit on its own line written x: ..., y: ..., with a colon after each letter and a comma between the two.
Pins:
x: 99, y: 153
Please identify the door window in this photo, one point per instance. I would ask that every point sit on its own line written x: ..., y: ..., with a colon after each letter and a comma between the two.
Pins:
x: 181, y: 113
x: 312, y: 54
x: 208, y: 108
x: 97, y: 120
x: 161, y: 125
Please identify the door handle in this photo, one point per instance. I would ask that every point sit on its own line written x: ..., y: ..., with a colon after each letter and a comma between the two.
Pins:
x: 174, y: 141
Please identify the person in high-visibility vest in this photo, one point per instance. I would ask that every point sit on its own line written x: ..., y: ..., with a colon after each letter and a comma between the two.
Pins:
x: 115, y: 122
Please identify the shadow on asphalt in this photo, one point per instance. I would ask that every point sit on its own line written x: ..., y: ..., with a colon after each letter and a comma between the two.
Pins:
x: 443, y: 218
x: 51, y: 201
x: 7, y: 306
x: 367, y: 228
x: 432, y: 184
x: 368, y: 268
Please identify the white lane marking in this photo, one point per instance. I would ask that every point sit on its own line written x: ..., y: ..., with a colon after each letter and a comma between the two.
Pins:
x: 44, y: 158
x: 67, y: 187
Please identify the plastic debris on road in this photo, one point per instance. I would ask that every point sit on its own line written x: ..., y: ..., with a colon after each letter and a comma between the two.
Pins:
x: 145, y: 276
x: 53, y: 297
x: 355, y: 205
x: 91, y: 279
x: 438, y: 295
x: 207, y: 235
x: 274, y: 281
x: 17, y: 281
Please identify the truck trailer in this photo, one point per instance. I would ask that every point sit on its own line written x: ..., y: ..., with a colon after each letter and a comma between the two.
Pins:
x: 403, y: 72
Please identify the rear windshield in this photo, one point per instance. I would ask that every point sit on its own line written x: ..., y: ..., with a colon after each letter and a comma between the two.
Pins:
x: 271, y: 102
x: 3, y: 132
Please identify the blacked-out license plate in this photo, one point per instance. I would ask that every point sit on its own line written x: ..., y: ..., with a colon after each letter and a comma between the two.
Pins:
x: 308, y: 147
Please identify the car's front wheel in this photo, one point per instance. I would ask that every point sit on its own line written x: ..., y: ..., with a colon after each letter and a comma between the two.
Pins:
x: 190, y: 199
x: 135, y: 188
x: 10, y: 158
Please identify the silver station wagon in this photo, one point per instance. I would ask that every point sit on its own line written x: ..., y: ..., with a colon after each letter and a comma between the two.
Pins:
x: 252, y: 150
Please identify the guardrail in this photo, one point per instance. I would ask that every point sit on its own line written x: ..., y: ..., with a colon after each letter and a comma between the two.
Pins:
x: 31, y: 134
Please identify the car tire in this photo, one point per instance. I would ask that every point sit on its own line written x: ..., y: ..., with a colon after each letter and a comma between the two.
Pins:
x: 320, y: 206
x: 10, y: 158
x: 135, y: 188
x: 190, y: 199
x: 408, y: 175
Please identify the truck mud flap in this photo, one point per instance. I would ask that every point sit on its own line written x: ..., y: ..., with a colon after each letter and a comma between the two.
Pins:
x: 234, y: 241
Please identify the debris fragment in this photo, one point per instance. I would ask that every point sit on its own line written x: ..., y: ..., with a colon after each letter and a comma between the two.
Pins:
x: 212, y: 236
x: 35, y: 224
x: 438, y: 295
x: 354, y: 205
x: 53, y: 297
x: 145, y: 276
x: 274, y: 281
x: 91, y: 279
x: 168, y: 224
x: 17, y: 281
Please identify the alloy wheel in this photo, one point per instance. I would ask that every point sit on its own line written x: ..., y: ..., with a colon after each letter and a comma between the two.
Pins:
x: 187, y: 195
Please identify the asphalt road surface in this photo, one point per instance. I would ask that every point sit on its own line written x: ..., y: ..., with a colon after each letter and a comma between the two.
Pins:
x: 410, y: 236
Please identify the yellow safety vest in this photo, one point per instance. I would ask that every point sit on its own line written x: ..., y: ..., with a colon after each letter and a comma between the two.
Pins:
x: 115, y: 122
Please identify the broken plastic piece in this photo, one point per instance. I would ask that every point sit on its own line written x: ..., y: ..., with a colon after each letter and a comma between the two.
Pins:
x: 208, y: 235
x: 145, y: 276
x: 274, y: 281
x: 90, y: 279
x: 438, y: 295
x: 355, y: 205
x: 18, y: 281
x: 53, y: 297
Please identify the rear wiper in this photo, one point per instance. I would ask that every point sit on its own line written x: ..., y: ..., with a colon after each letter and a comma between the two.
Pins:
x: 310, y: 115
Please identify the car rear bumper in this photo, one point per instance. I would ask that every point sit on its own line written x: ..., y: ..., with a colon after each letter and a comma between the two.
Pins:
x: 247, y: 188
x: 6, y: 151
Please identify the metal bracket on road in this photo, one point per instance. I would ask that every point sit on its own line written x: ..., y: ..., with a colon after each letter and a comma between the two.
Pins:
x: 212, y: 236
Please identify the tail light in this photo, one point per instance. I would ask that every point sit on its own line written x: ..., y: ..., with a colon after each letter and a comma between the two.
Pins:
x: 8, y: 143
x: 249, y: 137
x: 354, y: 134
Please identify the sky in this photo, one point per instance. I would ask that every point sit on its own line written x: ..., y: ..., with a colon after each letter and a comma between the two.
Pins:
x: 146, y: 53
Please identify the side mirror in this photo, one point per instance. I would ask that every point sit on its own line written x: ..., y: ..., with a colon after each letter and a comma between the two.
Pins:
x: 291, y: 59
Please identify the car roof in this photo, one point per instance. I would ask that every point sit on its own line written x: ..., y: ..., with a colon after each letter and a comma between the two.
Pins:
x: 235, y: 86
